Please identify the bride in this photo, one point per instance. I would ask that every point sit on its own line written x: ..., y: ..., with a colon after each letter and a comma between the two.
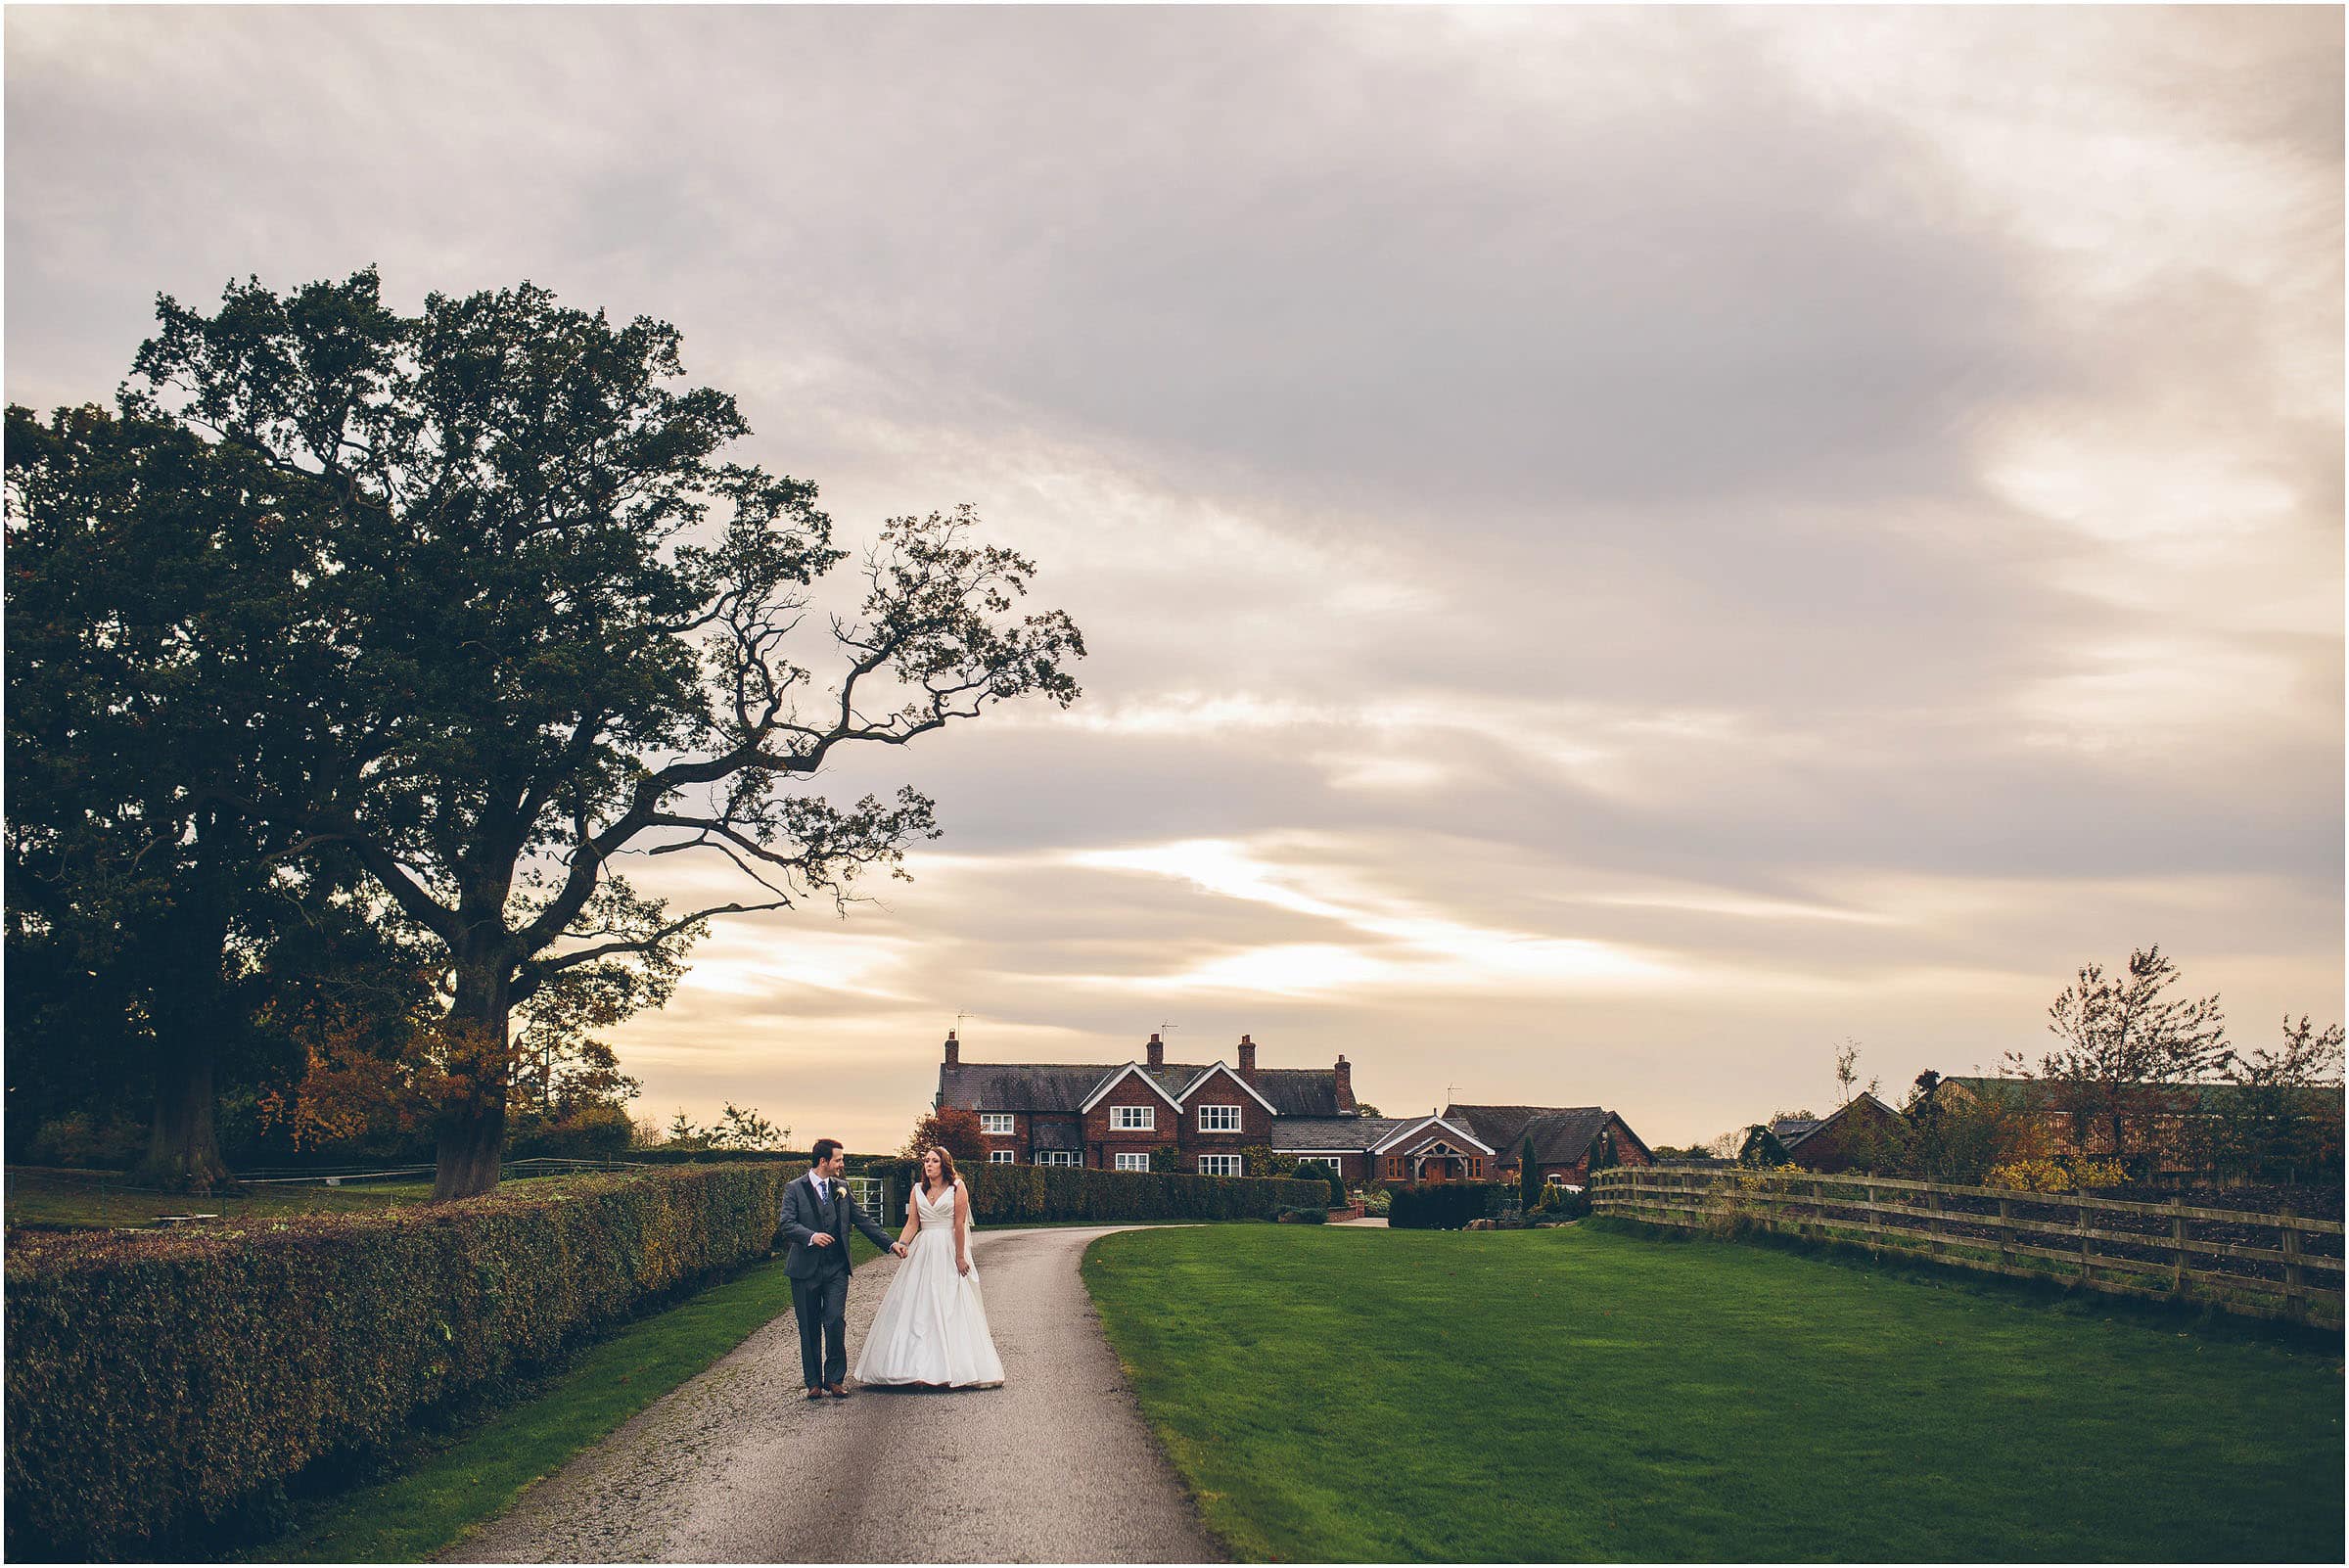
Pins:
x: 931, y: 1331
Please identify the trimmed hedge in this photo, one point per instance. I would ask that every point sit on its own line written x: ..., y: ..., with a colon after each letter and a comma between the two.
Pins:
x: 1442, y: 1205
x: 156, y: 1381
x: 1009, y: 1194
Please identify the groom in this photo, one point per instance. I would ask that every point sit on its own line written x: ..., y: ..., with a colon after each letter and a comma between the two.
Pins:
x: 818, y: 1213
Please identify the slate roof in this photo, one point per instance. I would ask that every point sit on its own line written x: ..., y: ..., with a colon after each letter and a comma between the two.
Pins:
x: 1017, y: 1086
x: 1058, y: 1133
x: 1788, y: 1129
x: 1040, y: 1087
x: 1561, y: 1135
x: 1336, y: 1133
x: 1300, y: 1090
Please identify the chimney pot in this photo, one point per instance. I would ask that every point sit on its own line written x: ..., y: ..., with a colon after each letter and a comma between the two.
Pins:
x: 1158, y: 1050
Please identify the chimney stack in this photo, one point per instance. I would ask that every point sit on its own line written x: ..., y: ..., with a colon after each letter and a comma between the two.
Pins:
x: 953, y: 1050
x: 1158, y: 1050
x: 1345, y: 1087
x: 1247, y: 1058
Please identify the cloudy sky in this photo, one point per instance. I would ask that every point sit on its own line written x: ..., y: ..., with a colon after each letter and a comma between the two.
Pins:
x: 1620, y: 548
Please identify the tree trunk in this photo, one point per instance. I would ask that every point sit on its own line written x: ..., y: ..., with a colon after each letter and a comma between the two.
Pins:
x: 472, y: 1132
x: 183, y: 1152
x: 188, y: 1003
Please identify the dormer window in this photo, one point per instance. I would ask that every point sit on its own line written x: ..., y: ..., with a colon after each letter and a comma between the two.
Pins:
x: 996, y: 1123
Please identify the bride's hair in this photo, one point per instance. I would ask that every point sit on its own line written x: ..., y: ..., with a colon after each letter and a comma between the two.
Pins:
x: 946, y: 1164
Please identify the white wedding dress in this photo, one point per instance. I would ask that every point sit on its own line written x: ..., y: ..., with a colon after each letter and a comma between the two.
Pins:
x: 931, y: 1325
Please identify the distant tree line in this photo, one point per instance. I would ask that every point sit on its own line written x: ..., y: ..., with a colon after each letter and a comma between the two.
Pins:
x: 2141, y: 1080
x: 351, y: 655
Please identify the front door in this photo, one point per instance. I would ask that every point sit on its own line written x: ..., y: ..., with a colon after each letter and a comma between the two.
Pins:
x: 1438, y: 1169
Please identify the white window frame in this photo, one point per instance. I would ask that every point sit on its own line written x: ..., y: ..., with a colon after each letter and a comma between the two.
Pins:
x: 1134, y: 1162
x: 1000, y: 1156
x: 1234, y: 1125
x: 1057, y: 1157
x: 1333, y: 1161
x: 1133, y: 1118
x: 998, y: 1124
x: 1223, y: 1164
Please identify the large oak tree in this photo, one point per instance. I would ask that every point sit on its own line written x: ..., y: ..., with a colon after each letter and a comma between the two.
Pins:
x: 555, y: 626
x: 151, y: 577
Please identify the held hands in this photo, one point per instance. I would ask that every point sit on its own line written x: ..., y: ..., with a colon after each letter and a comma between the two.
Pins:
x: 899, y: 1247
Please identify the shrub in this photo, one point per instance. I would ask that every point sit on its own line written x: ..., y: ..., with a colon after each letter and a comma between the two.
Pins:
x: 1010, y: 1195
x: 73, y: 1140
x: 1305, y: 1216
x: 1376, y: 1200
x: 1328, y: 1174
x: 592, y: 1133
x: 1442, y: 1205
x: 2049, y: 1176
x: 158, y: 1381
x: 1563, y: 1203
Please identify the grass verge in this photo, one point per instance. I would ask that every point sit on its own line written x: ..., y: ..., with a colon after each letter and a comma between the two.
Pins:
x: 1368, y: 1395
x: 59, y: 1200
x: 444, y: 1485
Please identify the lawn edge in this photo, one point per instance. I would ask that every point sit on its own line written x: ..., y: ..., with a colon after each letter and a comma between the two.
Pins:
x: 1161, y: 1433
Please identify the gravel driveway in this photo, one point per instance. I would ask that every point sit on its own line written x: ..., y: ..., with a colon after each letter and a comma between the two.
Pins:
x: 738, y: 1465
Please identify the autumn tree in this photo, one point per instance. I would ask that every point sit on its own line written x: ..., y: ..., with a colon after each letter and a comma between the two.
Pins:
x: 949, y: 1127
x: 561, y: 628
x: 2126, y: 1041
x: 2281, y: 1113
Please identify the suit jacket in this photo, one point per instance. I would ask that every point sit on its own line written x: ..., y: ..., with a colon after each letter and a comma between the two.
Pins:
x: 805, y: 1216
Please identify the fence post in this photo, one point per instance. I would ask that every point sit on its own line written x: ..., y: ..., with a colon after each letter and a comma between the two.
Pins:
x: 2292, y: 1285
x: 2080, y: 1213
x: 1875, y: 1222
x: 1933, y: 1222
x: 2178, y: 1247
x: 2005, y: 1233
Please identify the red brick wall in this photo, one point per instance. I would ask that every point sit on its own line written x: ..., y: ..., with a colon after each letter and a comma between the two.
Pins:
x: 1222, y: 1089
x: 1101, y: 1142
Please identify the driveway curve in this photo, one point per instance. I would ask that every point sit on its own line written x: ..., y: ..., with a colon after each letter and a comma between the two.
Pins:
x: 738, y: 1465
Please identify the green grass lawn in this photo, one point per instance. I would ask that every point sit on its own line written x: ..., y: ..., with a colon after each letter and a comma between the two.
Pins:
x: 1372, y: 1394
x: 34, y: 1197
x: 442, y: 1485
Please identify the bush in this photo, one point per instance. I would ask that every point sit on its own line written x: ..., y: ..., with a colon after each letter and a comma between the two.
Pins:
x: 158, y: 1381
x: 73, y: 1140
x: 592, y: 1133
x: 1563, y: 1203
x: 1304, y: 1216
x: 1010, y: 1195
x: 1376, y: 1200
x: 2048, y: 1175
x: 1442, y: 1205
x: 1328, y: 1174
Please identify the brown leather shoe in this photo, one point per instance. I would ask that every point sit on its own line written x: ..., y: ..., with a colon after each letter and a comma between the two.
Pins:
x: 839, y: 1391
x: 816, y: 1393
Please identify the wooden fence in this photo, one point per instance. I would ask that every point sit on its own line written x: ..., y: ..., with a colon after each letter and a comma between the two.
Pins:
x: 2219, y: 1257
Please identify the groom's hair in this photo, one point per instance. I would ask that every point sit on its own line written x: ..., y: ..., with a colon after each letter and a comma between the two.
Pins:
x: 824, y: 1148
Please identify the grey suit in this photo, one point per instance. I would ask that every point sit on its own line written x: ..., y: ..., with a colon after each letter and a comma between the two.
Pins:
x: 819, y: 1275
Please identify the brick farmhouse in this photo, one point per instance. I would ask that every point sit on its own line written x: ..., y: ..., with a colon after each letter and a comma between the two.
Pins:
x: 1117, y: 1116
